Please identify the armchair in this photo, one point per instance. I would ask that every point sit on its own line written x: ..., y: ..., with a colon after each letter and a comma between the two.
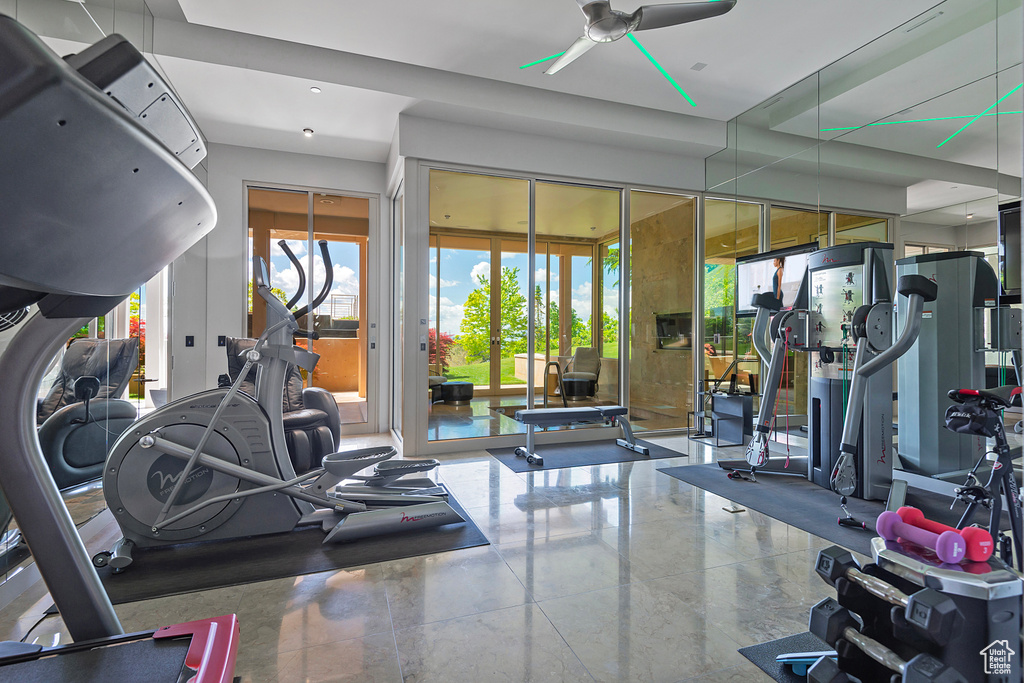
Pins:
x: 585, y: 364
x: 312, y: 423
x: 75, y: 435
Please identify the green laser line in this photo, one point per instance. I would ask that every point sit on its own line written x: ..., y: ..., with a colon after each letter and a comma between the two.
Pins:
x: 660, y: 68
x: 979, y: 116
x: 541, y: 61
x: 937, y: 118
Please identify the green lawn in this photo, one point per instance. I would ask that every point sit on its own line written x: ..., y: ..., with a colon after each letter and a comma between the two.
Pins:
x: 479, y: 373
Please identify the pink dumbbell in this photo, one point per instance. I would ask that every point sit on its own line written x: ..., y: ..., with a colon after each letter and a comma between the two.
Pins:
x: 949, y: 546
x: 979, y: 541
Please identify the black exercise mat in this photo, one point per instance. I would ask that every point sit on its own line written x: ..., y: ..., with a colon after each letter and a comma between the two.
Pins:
x: 158, y: 572
x: 559, y: 455
x: 763, y: 655
x: 800, y: 503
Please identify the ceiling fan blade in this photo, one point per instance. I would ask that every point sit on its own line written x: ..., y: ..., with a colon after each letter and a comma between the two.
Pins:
x: 659, y: 16
x: 575, y: 51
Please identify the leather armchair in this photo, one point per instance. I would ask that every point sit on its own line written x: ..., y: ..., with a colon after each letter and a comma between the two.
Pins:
x: 312, y: 423
x: 75, y: 441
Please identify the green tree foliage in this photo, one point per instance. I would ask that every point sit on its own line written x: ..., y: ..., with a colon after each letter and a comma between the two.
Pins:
x: 475, y: 327
x: 276, y: 291
x: 719, y: 286
x: 610, y: 328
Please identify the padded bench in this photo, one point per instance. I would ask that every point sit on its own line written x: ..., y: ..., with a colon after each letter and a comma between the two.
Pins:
x: 557, y: 417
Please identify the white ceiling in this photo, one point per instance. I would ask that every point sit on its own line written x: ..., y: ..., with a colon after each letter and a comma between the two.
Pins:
x: 459, y: 60
x: 752, y: 52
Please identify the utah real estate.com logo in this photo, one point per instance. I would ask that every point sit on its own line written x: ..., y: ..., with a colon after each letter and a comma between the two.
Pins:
x: 997, y: 657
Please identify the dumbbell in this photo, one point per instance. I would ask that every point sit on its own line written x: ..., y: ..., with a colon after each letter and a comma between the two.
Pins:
x: 979, y: 541
x: 826, y: 670
x: 832, y: 622
x: 932, y: 614
x: 949, y: 546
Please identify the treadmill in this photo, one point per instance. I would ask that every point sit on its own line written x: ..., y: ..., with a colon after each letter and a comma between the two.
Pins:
x: 98, y: 197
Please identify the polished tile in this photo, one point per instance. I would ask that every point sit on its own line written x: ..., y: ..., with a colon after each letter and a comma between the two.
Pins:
x: 504, y: 524
x: 372, y: 659
x: 566, y: 565
x: 635, y: 633
x: 748, y: 601
x: 315, y: 609
x: 609, y: 572
x: 668, y: 547
x: 515, y: 644
x: 744, y: 673
x: 422, y: 590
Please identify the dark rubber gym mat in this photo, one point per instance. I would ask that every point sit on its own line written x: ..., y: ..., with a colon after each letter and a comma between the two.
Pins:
x: 559, y: 455
x: 171, y: 570
x: 763, y: 655
x: 800, y: 503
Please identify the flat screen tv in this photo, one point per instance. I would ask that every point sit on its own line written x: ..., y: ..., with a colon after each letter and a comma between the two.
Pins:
x: 780, y: 272
x: 1009, y: 248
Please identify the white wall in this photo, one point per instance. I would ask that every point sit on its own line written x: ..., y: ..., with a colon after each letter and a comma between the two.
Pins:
x: 925, y: 233
x: 208, y: 295
x: 468, y: 145
x: 981, y: 235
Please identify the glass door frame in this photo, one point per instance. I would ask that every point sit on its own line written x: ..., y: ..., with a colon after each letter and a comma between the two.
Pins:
x: 378, y: 264
x: 416, y: 207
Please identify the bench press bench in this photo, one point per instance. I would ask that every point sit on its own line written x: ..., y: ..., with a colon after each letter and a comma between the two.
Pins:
x: 557, y: 417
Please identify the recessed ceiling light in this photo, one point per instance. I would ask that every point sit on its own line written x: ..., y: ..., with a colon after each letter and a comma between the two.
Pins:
x: 970, y: 216
x: 326, y: 201
x: 315, y: 90
x: 308, y: 132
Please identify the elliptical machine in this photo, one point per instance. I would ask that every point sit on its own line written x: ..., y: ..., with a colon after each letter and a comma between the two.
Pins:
x: 214, y: 465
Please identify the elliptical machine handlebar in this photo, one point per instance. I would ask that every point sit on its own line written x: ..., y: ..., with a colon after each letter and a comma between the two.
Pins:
x: 302, y: 273
x: 328, y: 282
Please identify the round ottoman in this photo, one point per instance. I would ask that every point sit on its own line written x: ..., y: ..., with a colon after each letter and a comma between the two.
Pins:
x: 457, y: 393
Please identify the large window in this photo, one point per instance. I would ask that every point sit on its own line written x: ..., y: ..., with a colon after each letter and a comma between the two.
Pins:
x: 301, y: 219
x: 480, y: 298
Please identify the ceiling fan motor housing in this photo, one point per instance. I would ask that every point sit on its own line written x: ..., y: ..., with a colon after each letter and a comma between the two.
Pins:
x: 604, y: 24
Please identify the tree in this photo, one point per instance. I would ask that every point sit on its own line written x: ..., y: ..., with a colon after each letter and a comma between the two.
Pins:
x: 475, y: 328
x: 439, y: 349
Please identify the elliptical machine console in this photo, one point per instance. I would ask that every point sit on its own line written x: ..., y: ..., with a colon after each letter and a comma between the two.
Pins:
x: 212, y: 465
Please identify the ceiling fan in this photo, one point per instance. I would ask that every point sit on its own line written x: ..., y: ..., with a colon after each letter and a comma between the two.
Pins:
x: 605, y: 25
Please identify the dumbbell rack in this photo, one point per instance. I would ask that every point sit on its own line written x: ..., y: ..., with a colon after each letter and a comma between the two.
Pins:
x: 946, y: 617
x: 990, y: 602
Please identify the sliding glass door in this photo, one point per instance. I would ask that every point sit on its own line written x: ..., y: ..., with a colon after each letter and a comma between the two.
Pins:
x: 338, y: 328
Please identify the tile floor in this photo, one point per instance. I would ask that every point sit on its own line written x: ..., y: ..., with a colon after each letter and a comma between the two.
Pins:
x: 608, y: 573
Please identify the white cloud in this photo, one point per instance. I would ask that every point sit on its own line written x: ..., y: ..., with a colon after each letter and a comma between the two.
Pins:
x: 451, y: 314
x: 482, y: 268
x: 542, y: 274
x: 444, y: 283
x: 287, y: 279
x: 581, y: 299
x: 298, y: 248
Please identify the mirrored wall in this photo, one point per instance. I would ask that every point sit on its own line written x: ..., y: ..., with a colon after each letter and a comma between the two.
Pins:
x: 913, y: 139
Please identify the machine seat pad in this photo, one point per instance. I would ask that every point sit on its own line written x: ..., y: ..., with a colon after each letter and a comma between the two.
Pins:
x: 307, y: 418
x: 917, y: 284
x: 563, y: 416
